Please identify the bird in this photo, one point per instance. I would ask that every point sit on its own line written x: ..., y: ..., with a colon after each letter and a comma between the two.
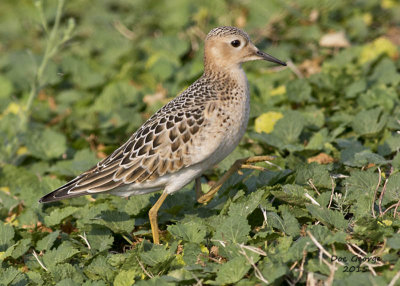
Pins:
x: 193, y: 132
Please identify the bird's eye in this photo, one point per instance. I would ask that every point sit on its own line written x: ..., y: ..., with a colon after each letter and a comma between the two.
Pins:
x: 235, y: 43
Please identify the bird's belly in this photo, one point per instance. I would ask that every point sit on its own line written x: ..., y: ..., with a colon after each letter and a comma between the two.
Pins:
x: 171, y: 182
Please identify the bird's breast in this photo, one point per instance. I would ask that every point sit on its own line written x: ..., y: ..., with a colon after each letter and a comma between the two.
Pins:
x: 231, y: 119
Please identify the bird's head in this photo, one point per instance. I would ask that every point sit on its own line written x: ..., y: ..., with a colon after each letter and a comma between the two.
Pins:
x: 228, y: 47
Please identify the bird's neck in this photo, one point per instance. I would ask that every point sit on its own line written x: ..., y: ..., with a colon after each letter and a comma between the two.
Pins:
x: 233, y: 73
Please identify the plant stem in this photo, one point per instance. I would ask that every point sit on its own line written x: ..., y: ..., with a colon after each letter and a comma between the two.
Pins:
x: 51, y: 48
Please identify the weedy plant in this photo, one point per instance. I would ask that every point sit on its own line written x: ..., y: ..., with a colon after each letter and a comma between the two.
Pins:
x: 325, y: 210
x: 55, y: 39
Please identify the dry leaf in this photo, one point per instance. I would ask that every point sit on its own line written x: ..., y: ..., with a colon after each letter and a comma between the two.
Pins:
x: 321, y: 158
x: 334, y: 40
x: 311, y: 66
x: 393, y: 35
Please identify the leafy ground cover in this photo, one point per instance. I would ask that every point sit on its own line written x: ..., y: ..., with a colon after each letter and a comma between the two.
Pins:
x: 75, y: 82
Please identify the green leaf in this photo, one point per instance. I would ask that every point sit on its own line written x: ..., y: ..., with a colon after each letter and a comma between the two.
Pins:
x: 298, y: 91
x: 80, y: 68
x: 233, y: 229
x: 314, y: 118
x: 115, y: 96
x: 318, y: 174
x: 125, y: 278
x: 58, y: 215
x: 286, y: 132
x: 35, y: 277
x: 232, y: 271
x: 181, y: 275
x: 8, y: 201
x: 325, y: 236
x: 350, y: 149
x: 378, y: 96
x: 275, y: 221
x: 369, y: 122
x: 83, y: 160
x: 6, y: 88
x: 355, y: 88
x: 156, y: 255
x: 366, y: 157
x: 99, y: 238
x: 328, y: 217
x: 61, y: 254
x: 191, y: 253
x: 396, y: 161
x: 394, y: 241
x: 192, y: 231
x: 24, y: 184
x: 246, y: 204
x: 46, y: 144
x: 7, y: 253
x: 88, y: 214
x: 372, y: 229
x: 6, y: 236
x: 390, y: 145
x: 67, y: 273
x: 21, y: 247
x: 137, y: 204
x: 291, y: 224
x: 161, y: 66
x: 385, y: 73
x: 156, y: 281
x: 292, y: 194
x: 67, y: 282
x: 8, y: 275
x: 47, y: 242
x: 118, y: 222
x: 393, y: 188
x: 273, y: 271
x: 318, y: 140
x: 361, y: 183
x: 99, y: 269
x: 289, y: 127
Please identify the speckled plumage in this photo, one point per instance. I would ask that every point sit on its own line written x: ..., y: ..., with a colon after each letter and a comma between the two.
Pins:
x: 190, y: 134
x: 224, y: 31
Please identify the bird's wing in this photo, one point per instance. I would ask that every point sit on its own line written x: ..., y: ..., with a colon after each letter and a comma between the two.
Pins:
x: 166, y: 143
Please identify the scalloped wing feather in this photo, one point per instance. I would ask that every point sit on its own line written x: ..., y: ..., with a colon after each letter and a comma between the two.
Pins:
x: 165, y: 144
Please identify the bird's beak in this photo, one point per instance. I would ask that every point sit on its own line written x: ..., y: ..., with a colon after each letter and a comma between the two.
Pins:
x: 267, y: 57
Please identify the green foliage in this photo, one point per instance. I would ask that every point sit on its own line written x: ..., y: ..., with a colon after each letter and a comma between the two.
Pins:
x: 47, y: 241
x: 369, y: 122
x: 6, y: 235
x: 233, y: 229
x: 298, y: 91
x: 192, y: 231
x: 61, y: 254
x: 232, y: 271
x: 57, y: 215
x: 83, y: 77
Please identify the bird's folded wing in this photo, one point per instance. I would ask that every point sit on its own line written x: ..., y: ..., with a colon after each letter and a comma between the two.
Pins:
x: 164, y: 144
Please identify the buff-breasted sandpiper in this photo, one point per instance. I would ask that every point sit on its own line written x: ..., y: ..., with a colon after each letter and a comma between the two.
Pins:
x: 189, y: 135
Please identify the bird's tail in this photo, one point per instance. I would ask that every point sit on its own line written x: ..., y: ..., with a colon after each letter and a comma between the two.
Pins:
x: 62, y: 193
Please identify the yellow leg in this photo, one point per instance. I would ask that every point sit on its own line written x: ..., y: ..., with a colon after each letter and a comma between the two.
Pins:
x: 153, y: 217
x: 241, y: 163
